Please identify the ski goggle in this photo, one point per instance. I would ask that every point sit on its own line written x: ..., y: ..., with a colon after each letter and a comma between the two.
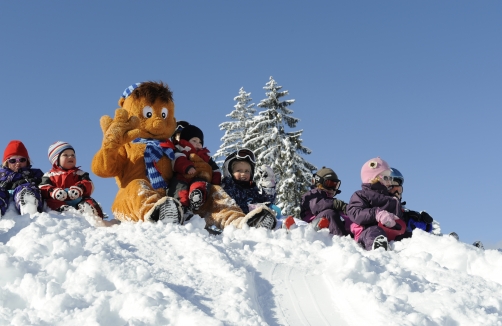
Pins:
x: 244, y: 153
x: 14, y: 160
x: 331, y: 184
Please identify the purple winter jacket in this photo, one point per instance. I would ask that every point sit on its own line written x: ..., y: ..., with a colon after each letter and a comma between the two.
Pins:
x: 313, y: 202
x: 365, y: 203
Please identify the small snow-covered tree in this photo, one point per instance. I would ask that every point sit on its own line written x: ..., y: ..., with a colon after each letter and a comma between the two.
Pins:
x: 235, y: 131
x: 280, y: 149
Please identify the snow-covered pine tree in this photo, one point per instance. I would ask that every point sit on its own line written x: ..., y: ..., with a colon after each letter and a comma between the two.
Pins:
x: 279, y: 149
x: 235, y: 131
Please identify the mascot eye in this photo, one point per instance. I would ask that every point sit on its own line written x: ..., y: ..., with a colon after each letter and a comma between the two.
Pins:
x: 164, y: 113
x: 147, y: 112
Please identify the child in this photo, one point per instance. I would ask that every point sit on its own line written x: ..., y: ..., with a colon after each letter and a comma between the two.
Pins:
x: 238, y: 173
x: 191, y: 185
x: 65, y: 185
x: 320, y: 208
x: 19, y: 180
x: 374, y: 204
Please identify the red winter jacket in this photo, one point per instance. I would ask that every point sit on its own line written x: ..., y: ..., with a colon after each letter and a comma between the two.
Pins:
x: 182, y: 162
x: 58, y: 177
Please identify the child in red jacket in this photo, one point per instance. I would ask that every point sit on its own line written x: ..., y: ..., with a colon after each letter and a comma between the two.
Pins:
x: 65, y: 185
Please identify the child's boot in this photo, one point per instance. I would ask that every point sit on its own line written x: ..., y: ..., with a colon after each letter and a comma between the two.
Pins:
x: 90, y: 206
x: 27, y: 202
x: 320, y: 223
x: 289, y: 223
x: 380, y: 241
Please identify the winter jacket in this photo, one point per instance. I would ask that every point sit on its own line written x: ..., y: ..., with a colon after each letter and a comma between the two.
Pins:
x: 313, y: 202
x: 182, y: 161
x: 246, y: 193
x: 365, y: 203
x: 58, y: 177
x: 10, y: 181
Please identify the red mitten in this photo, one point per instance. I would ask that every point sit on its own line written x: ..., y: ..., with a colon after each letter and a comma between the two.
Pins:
x: 74, y: 192
x: 59, y: 194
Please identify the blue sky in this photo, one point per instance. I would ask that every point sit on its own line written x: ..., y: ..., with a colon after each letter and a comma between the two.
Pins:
x: 416, y: 83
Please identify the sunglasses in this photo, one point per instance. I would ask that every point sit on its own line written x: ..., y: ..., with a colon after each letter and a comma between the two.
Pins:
x: 14, y: 160
x: 245, y: 153
x: 331, y: 184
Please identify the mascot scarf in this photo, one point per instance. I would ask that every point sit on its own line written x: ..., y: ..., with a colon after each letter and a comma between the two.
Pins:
x: 154, y: 151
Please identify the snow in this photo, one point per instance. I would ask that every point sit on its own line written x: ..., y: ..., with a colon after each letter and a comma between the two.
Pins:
x: 65, y: 268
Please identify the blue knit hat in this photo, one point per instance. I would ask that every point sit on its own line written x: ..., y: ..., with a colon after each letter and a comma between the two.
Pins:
x: 56, y: 149
x: 129, y: 90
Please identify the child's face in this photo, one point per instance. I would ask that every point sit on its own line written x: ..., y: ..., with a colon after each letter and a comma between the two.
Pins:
x: 195, y: 141
x: 19, y: 162
x: 329, y: 192
x: 67, y: 159
x: 241, y: 171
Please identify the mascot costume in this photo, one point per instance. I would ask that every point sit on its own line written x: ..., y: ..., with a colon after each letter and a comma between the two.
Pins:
x: 137, y: 151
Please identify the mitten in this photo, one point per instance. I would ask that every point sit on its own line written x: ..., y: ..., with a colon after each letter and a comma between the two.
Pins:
x: 426, y: 217
x: 74, y: 192
x: 339, y: 205
x: 386, y: 218
x: 59, y: 194
x: 408, y: 215
x: 267, y: 176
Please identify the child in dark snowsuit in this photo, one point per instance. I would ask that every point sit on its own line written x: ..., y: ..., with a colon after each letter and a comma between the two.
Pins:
x: 373, y: 207
x: 65, y: 185
x: 320, y: 208
x: 19, y: 181
x: 238, y: 173
x: 187, y: 186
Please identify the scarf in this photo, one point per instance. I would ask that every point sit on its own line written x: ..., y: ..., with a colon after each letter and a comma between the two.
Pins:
x: 154, y: 151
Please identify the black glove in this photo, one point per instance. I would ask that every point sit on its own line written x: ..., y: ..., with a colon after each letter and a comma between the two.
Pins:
x: 339, y: 205
x: 426, y: 217
x: 408, y: 215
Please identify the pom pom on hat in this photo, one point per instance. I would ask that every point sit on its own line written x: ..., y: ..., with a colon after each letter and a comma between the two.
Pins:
x: 190, y: 132
x: 373, y: 168
x: 15, y: 147
x: 56, y: 149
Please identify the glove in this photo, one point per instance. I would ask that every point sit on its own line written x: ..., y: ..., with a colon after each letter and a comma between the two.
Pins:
x: 386, y: 218
x: 426, y: 217
x: 414, y: 215
x: 74, y: 192
x: 339, y: 205
x: 267, y: 176
x: 59, y: 194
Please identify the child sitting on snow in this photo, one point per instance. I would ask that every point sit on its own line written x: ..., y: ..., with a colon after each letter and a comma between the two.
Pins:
x: 373, y: 210
x: 188, y: 185
x: 238, y: 173
x: 65, y: 185
x: 19, y: 180
x: 320, y: 208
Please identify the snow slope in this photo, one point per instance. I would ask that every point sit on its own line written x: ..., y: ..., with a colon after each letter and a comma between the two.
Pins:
x: 60, y: 269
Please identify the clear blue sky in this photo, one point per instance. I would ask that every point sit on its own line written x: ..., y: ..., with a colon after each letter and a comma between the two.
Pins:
x: 418, y: 83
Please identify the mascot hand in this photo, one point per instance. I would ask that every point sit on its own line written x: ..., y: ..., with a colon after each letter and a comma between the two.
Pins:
x: 120, y: 130
x: 204, y: 170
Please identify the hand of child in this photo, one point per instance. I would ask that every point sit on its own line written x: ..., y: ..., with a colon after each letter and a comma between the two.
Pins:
x: 267, y: 176
x: 339, y: 205
x: 191, y: 171
x: 386, y: 218
x: 426, y: 217
x: 59, y: 194
x: 74, y: 192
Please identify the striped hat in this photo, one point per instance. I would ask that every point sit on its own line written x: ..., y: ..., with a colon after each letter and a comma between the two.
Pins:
x: 56, y: 149
x: 129, y: 90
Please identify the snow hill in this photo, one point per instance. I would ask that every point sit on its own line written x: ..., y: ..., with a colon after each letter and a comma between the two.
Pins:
x: 65, y: 269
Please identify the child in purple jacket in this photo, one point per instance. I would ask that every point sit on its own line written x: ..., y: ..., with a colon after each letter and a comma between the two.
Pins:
x: 373, y: 209
x: 320, y: 208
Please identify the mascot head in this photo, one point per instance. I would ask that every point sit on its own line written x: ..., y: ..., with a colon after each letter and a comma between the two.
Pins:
x: 152, y: 103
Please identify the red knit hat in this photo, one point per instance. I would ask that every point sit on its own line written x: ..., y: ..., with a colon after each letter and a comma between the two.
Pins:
x: 15, y: 147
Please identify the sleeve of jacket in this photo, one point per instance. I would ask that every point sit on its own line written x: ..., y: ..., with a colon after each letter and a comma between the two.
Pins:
x: 216, y: 178
x: 318, y: 205
x: 85, y: 183
x: 360, y: 212
x: 46, y: 186
x: 181, y: 163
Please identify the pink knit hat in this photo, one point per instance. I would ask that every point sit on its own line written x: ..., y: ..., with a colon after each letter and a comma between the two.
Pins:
x: 373, y: 168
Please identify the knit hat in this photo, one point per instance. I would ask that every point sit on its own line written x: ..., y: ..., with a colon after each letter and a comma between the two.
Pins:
x: 129, y: 90
x: 15, y: 147
x: 327, y: 173
x: 190, y: 132
x: 56, y: 149
x: 373, y: 168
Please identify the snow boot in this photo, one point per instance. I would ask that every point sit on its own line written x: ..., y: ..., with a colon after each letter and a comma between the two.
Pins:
x: 289, y: 223
x: 90, y: 206
x: 479, y: 244
x: 196, y: 199
x: 264, y: 218
x: 167, y: 209
x: 320, y: 223
x: 454, y: 234
x: 380, y: 241
x: 28, y: 203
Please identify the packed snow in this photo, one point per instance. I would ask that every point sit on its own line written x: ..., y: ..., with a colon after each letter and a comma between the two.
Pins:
x: 66, y: 268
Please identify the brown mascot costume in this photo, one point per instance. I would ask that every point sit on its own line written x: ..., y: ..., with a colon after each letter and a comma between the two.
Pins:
x: 136, y: 150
